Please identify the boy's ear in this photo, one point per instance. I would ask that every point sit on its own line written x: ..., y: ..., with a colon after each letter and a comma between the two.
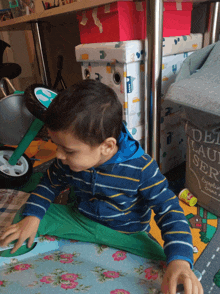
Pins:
x: 108, y: 146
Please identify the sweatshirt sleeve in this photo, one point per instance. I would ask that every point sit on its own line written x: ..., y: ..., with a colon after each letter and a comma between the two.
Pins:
x: 169, y: 216
x: 51, y: 184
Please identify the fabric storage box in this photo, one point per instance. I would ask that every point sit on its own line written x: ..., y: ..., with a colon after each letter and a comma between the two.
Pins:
x: 172, y: 135
x: 197, y: 88
x: 172, y: 142
x: 120, y: 66
x: 202, y: 166
x: 126, y: 20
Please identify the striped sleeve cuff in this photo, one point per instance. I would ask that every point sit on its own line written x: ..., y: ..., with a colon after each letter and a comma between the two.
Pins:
x: 179, y: 257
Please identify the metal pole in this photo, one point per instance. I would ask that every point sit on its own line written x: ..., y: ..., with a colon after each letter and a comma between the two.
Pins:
x: 153, y: 64
x: 211, y: 35
x: 39, y: 52
x: 214, y: 30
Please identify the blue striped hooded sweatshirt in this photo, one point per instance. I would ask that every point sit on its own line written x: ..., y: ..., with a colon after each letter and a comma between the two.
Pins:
x: 121, y: 194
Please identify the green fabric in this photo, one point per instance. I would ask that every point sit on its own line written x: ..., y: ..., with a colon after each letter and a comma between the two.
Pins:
x: 32, y: 183
x: 64, y: 221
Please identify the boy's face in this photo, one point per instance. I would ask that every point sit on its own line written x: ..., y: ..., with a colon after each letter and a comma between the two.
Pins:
x: 75, y: 153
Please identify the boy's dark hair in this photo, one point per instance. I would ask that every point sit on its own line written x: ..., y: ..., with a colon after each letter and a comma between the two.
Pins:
x: 89, y: 109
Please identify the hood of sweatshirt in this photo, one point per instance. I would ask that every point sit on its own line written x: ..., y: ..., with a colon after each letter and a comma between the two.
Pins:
x: 128, y: 148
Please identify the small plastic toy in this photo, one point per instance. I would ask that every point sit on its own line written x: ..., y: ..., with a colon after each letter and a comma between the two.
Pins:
x: 186, y: 196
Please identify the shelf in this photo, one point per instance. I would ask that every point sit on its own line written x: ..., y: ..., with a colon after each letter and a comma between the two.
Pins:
x: 20, y: 23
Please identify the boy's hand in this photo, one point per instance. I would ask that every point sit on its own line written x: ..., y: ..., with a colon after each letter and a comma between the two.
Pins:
x: 179, y: 272
x: 26, y: 228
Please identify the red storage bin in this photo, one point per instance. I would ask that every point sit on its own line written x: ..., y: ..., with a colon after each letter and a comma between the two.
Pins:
x: 126, y: 20
x: 119, y: 21
x: 176, y: 19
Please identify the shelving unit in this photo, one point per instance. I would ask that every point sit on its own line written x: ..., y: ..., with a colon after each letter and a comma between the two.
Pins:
x: 20, y: 23
x: 153, y: 46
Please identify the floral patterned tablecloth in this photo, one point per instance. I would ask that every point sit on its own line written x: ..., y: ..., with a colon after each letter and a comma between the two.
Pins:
x: 68, y: 266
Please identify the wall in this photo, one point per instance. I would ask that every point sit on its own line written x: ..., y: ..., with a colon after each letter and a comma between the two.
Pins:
x: 60, y: 37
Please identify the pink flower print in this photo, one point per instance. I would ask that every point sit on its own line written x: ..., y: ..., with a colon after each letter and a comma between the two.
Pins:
x: 66, y: 260
x: 22, y: 267
x: 151, y: 273
x: 47, y: 279
x: 73, y: 241
x: 119, y: 291
x: 1, y: 283
x: 48, y: 257
x: 119, y: 255
x: 111, y: 274
x: 69, y: 277
x: 68, y: 256
x: 71, y: 285
x: 50, y: 238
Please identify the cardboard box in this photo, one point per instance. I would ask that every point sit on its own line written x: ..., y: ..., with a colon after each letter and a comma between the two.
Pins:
x: 203, y: 166
x: 176, y: 19
x: 126, y: 20
x: 137, y: 133
x: 120, y: 66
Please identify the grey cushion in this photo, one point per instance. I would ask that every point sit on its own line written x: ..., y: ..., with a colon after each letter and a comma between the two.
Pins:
x: 197, y: 86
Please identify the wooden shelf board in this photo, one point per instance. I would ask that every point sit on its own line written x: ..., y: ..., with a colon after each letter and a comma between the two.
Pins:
x: 21, y: 22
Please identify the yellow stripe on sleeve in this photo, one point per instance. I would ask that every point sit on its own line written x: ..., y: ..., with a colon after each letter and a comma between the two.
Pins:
x: 144, y: 158
x: 41, y: 196
x: 127, y: 212
x: 48, y: 173
x: 119, y: 208
x: 128, y: 232
x: 176, y: 232
x: 116, y: 195
x: 147, y: 165
x: 145, y: 222
x: 171, y: 198
x: 177, y: 211
x: 56, y: 166
x: 152, y: 185
x: 120, y: 177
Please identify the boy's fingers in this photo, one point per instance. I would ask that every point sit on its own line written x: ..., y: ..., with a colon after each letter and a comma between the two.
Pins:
x: 9, y: 239
x: 18, y: 245
x: 30, y: 241
x: 173, y: 285
x: 10, y: 230
x: 187, y: 283
x: 195, y: 289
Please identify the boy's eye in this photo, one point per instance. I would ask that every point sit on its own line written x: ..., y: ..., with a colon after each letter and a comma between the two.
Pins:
x: 69, y: 152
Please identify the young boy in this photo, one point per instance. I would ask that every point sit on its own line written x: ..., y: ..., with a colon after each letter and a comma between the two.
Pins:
x: 116, y: 185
